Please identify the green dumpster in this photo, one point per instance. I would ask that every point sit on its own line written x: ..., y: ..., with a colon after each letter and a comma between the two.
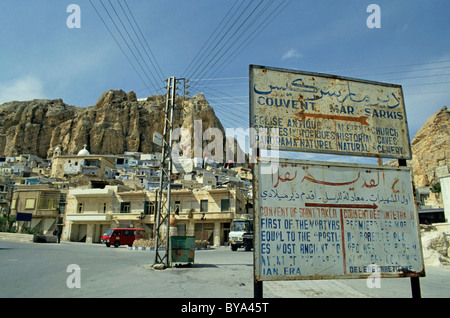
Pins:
x: 183, y: 249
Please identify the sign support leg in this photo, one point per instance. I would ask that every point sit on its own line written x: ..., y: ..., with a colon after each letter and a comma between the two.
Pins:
x: 415, y: 282
x: 415, y: 287
x: 258, y: 289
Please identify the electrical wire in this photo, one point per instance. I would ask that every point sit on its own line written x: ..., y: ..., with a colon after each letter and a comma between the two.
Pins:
x: 128, y: 40
x: 199, y: 70
x: 254, y: 33
x: 118, y: 44
x: 158, y: 67
x: 132, y: 41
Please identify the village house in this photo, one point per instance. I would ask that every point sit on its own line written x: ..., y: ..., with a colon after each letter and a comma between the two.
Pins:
x: 42, y: 205
x: 203, y: 213
x: 69, y: 166
x: 87, y: 194
x: 89, y: 212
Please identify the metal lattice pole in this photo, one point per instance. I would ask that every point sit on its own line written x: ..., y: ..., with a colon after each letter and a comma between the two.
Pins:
x: 163, y: 203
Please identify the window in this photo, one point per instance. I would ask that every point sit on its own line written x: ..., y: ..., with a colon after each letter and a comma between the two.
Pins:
x: 149, y: 207
x: 62, y: 203
x: 177, y: 207
x: 225, y: 205
x: 125, y: 207
x: 29, y: 203
x: 203, y: 205
x: 46, y: 203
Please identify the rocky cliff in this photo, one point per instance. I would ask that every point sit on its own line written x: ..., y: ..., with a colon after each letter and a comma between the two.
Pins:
x: 431, y: 148
x: 117, y: 122
x: 27, y: 127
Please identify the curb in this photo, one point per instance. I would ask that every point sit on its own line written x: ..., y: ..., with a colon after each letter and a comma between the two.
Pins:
x: 136, y: 248
x: 16, y: 237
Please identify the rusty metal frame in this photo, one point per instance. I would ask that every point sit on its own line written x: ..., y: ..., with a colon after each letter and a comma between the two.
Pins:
x: 257, y: 245
x: 407, y: 155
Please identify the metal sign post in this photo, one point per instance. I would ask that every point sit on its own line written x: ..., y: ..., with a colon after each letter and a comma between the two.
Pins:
x: 415, y: 281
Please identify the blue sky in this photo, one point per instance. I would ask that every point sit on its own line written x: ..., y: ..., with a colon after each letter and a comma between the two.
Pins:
x: 42, y: 58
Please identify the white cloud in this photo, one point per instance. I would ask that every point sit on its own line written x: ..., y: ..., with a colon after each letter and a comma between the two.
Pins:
x: 24, y: 88
x: 292, y: 53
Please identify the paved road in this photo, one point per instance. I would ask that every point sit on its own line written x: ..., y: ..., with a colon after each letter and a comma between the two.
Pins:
x: 40, y: 270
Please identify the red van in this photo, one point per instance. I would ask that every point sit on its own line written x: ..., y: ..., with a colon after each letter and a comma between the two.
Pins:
x: 121, y: 236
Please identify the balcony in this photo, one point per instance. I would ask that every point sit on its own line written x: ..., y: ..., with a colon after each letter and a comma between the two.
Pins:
x: 46, y: 213
x: 88, y: 217
x: 86, y: 193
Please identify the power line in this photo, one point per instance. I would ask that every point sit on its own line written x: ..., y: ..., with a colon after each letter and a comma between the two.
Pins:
x: 161, y: 73
x: 198, y: 70
x: 118, y: 44
x: 247, y: 41
x: 130, y: 39
x: 198, y: 53
x: 391, y: 66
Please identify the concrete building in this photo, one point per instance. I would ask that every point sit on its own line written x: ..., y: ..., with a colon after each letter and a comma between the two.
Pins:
x: 83, y: 163
x: 207, y: 213
x: 89, y: 213
x: 443, y: 174
x: 6, y: 190
x: 203, y: 213
x: 44, y: 202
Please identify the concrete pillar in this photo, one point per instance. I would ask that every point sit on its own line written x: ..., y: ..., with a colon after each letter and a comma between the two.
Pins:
x: 90, y: 233
x: 190, y: 228
x: 65, y: 235
x: 217, y: 233
x: 445, y: 195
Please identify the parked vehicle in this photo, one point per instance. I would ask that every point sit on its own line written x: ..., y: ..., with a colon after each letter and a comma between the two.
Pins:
x: 121, y: 236
x: 241, y: 234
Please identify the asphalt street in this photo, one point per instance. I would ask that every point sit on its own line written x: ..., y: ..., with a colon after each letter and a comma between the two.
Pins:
x: 78, y: 270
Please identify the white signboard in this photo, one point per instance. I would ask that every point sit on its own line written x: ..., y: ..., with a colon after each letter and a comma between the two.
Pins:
x: 327, y: 220
x: 303, y: 111
x: 157, y: 138
x: 182, y: 165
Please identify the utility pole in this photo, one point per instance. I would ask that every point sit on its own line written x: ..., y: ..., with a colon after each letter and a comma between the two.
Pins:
x: 185, y: 87
x: 163, y: 204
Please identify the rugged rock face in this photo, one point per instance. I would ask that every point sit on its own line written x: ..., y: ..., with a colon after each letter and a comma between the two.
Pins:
x: 117, y: 122
x: 431, y: 148
x: 27, y: 127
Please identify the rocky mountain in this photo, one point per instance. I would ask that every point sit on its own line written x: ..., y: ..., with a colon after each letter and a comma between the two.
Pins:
x: 118, y: 122
x: 27, y: 127
x: 431, y: 148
